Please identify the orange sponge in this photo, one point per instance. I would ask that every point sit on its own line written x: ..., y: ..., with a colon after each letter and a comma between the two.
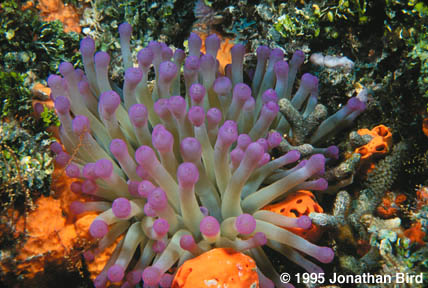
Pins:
x: 52, y: 10
x: 220, y: 267
x: 379, y: 145
x: 415, y: 234
x: 299, y: 203
x: 390, y: 205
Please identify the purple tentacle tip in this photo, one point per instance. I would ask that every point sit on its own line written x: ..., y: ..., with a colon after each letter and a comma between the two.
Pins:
x: 197, y: 92
x: 222, y: 85
x: 263, y: 52
x: 269, y: 95
x: 87, y: 46
x: 177, y: 106
x: 196, y: 115
x: 190, y: 149
x: 133, y: 75
x: 332, y: 152
x: 325, y: 255
x: 109, y: 101
x: 228, y: 132
x: 76, y: 207
x: 121, y: 207
x: 133, y: 187
x: 125, y: 29
x: 161, y: 226
x: 317, y: 163
x: 243, y: 141
x: 298, y: 58
x: 187, y: 242
x: 80, y: 124
x: 166, y: 280
x: 254, y: 152
x: 209, y: 226
x: 260, y: 238
x: 213, y: 116
x: 115, y: 273
x: 72, y: 171
x: 145, y: 188
x: 65, y: 68
x: 162, y: 139
x: 145, y: 156
x: 118, y: 148
x: 157, y: 199
x: 145, y: 57
x: 134, y: 277
x: 245, y: 224
x: 276, y: 54
x: 309, y: 81
x: 204, y: 211
x: 149, y: 211
x: 138, y: 115
x: 167, y: 70
x: 103, y: 168
x: 62, y: 104
x: 321, y: 184
x: 242, y: 92
x: 102, y: 59
x: 191, y: 63
x: 56, y: 147
x: 62, y: 159
x: 98, y: 229
x: 304, y: 222
x: 274, y: 139
x: 294, y: 155
x: 281, y: 69
x: 187, y: 174
x: 151, y: 275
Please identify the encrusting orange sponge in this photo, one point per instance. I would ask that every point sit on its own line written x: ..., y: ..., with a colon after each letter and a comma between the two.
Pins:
x: 52, y: 10
x: 416, y: 234
x: 220, y: 267
x: 379, y: 145
x: 390, y: 205
x: 299, y: 203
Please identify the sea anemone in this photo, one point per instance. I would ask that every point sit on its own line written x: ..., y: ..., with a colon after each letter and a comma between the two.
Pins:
x: 178, y: 176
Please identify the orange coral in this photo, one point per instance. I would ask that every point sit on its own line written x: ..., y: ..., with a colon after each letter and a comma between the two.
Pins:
x: 378, y: 146
x: 390, y: 204
x: 27, y: 5
x: 385, y: 210
x: 52, y: 10
x: 400, y: 199
x: 223, y: 56
x: 422, y: 196
x: 299, y: 203
x: 415, y: 234
x: 220, y: 267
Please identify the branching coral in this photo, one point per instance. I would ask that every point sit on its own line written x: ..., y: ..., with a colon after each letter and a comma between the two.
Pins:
x: 182, y: 175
